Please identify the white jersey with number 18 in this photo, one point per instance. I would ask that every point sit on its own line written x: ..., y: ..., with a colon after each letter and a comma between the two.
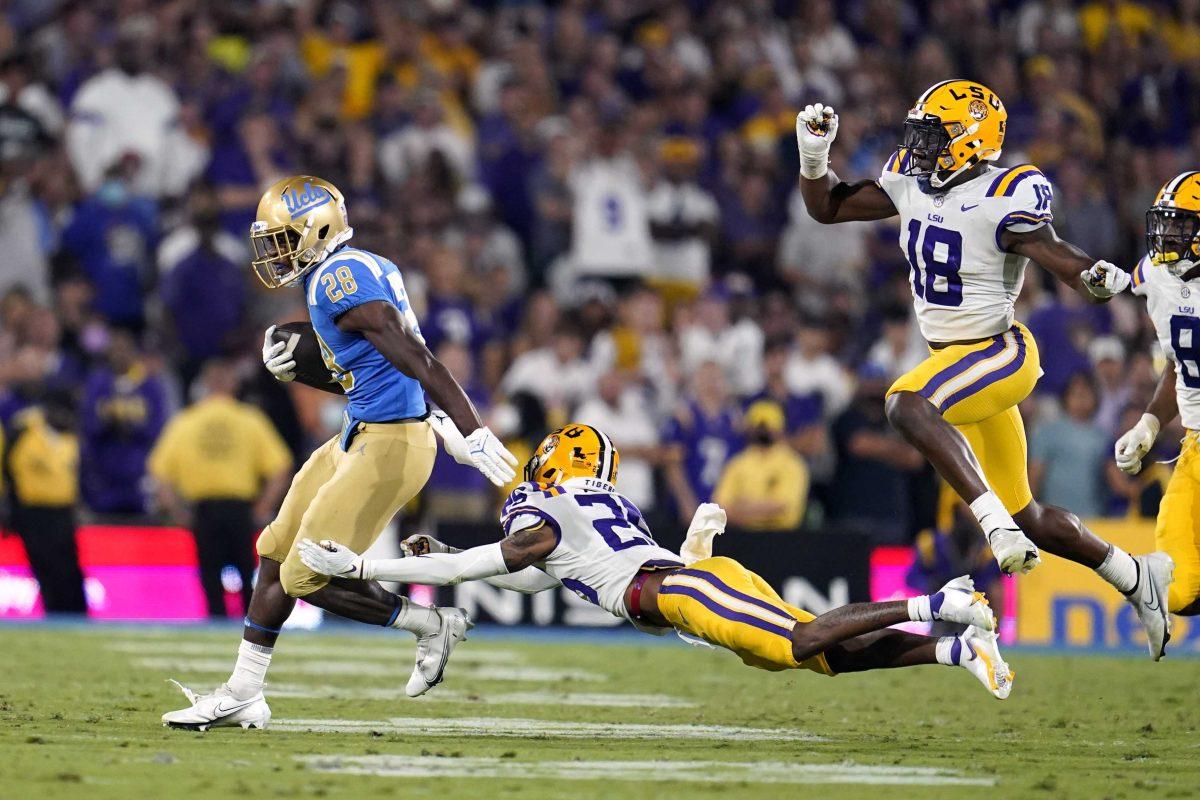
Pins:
x: 964, y: 286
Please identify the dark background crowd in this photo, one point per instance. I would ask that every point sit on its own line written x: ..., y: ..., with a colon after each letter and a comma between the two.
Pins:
x: 593, y: 205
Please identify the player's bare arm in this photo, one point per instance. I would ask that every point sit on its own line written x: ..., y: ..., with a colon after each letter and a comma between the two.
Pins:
x: 384, y: 328
x: 1097, y: 281
x: 827, y: 198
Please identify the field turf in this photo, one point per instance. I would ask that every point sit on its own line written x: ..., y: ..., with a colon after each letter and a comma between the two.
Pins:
x: 534, y: 716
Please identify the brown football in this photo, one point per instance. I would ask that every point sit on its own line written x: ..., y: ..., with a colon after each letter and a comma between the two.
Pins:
x: 310, y: 367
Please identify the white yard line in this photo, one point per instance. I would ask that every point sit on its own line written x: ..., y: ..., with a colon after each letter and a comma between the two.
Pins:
x: 517, y: 727
x: 689, y: 771
x: 442, y: 695
x: 371, y: 669
x: 390, y: 651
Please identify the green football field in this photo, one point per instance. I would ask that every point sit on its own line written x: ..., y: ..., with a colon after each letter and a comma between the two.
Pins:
x: 580, y: 717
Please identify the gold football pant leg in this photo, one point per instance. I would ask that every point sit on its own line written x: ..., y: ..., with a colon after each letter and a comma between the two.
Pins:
x: 348, y: 497
x: 1177, y: 532
x: 999, y: 444
x: 720, y: 601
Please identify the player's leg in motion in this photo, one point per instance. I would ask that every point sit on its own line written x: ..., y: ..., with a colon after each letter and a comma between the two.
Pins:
x: 1177, y: 532
x: 959, y: 409
x: 349, y: 497
x: 721, y: 602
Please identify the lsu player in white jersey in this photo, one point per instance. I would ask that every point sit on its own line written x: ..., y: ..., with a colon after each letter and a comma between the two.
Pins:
x: 1166, y: 278
x: 568, y: 521
x: 968, y: 228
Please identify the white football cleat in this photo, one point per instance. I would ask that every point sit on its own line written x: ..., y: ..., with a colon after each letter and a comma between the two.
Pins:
x: 218, y: 709
x: 980, y: 655
x: 958, y: 601
x: 1013, y: 550
x: 1149, y: 599
x: 433, y: 650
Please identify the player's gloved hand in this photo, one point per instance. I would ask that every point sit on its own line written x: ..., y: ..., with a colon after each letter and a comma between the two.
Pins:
x: 422, y: 544
x: 277, y: 356
x: 708, y: 521
x: 1104, y: 280
x: 330, y: 558
x: 1132, y: 447
x: 453, y: 442
x: 816, y: 128
x: 491, y: 457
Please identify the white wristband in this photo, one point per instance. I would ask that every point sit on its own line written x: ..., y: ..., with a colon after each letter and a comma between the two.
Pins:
x: 814, y: 167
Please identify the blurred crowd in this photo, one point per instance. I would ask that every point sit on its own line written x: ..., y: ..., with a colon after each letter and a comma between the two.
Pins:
x: 594, y: 208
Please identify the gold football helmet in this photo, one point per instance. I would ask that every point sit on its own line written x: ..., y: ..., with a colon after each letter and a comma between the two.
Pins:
x: 1173, y: 224
x: 954, y: 125
x: 573, y: 451
x: 300, y: 221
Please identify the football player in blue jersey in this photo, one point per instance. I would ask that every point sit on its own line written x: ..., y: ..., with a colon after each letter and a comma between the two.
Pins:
x: 355, y: 483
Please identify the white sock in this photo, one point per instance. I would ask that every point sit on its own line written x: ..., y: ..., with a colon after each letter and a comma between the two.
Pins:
x: 1119, y: 569
x: 948, y: 650
x: 991, y: 513
x: 416, y: 618
x: 250, y: 670
x: 919, y: 610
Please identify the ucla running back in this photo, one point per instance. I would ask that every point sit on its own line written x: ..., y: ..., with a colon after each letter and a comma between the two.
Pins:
x: 355, y: 483
x: 968, y: 230
x: 568, y: 520
x: 1166, y: 278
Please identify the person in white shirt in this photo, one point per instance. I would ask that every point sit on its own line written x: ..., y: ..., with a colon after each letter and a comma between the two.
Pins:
x: 610, y: 221
x: 126, y: 110
x: 683, y: 218
x: 707, y: 334
x: 556, y: 374
x: 620, y: 407
x: 811, y: 369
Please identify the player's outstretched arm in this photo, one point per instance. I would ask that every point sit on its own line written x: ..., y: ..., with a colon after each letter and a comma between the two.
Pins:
x: 827, y: 198
x: 1136, y: 442
x: 530, y: 580
x: 384, y: 327
x: 1097, y: 281
x: 514, y: 553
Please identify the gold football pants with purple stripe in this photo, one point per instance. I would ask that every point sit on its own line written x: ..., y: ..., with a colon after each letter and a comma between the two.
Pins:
x: 1178, y: 531
x: 977, y: 387
x: 723, y: 603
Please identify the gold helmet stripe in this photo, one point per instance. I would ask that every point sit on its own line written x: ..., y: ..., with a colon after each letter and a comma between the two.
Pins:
x: 1167, y: 193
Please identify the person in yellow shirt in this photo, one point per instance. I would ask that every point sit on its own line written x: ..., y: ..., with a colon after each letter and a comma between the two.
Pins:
x: 765, y: 487
x: 42, y: 466
x: 221, y: 467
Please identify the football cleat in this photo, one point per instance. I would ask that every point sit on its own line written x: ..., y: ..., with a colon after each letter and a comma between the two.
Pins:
x: 958, y: 601
x: 1013, y: 550
x: 978, y: 651
x: 218, y: 709
x: 1149, y: 599
x: 433, y: 650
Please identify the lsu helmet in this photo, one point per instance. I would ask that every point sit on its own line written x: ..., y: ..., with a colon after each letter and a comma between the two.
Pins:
x: 1173, y: 224
x: 300, y: 221
x: 952, y: 127
x: 573, y: 451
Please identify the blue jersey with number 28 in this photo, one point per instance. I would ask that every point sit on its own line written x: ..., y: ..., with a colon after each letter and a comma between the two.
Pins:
x: 376, y: 390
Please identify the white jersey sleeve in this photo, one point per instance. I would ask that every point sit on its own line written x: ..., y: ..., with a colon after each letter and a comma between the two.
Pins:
x: 1173, y: 305
x: 892, y: 178
x: 1021, y: 200
x: 603, y: 541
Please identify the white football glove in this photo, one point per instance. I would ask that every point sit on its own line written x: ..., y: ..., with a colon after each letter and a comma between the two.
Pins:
x: 816, y: 128
x: 422, y: 544
x: 1104, y: 280
x: 453, y: 442
x: 708, y: 521
x: 330, y: 558
x: 1132, y: 447
x: 277, y: 356
x: 490, y: 456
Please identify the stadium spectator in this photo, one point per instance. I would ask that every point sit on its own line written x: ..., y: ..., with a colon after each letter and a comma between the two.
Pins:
x: 1067, y: 456
x: 457, y: 492
x: 683, y: 220
x: 764, y: 487
x: 42, y: 462
x: 700, y: 437
x: 620, y: 409
x: 221, y: 469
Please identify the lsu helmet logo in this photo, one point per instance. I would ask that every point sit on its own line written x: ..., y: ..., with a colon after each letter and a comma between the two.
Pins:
x: 977, y: 109
x: 573, y: 451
